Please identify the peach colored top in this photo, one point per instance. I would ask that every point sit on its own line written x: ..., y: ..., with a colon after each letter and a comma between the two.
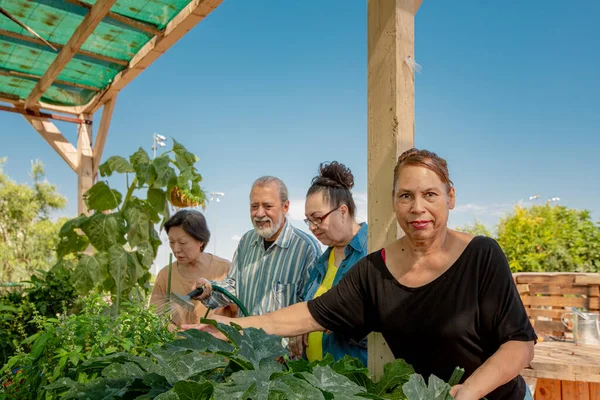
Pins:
x: 182, y: 285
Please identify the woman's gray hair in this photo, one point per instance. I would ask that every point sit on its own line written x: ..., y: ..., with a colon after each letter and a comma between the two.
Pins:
x: 267, y: 180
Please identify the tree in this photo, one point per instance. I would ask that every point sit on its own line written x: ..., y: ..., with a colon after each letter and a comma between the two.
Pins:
x: 28, y: 235
x: 550, y: 238
x: 478, y: 228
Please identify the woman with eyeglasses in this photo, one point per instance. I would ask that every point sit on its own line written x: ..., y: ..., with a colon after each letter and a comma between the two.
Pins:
x: 331, y: 216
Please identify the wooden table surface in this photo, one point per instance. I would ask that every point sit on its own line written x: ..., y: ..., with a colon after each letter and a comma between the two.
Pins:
x: 565, y: 361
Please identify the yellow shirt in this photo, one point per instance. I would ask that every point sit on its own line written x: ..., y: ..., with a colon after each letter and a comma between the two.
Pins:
x: 314, y: 351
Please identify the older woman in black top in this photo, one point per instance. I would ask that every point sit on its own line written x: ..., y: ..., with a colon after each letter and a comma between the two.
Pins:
x: 441, y: 298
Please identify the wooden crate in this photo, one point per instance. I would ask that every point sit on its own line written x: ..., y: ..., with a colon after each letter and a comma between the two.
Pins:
x: 547, y: 296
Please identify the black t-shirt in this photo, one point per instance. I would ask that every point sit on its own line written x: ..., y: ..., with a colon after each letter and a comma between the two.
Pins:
x: 458, y: 320
x: 267, y: 244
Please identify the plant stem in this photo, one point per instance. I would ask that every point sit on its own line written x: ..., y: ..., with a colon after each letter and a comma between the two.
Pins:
x: 118, y: 289
x: 130, y: 191
x: 169, y: 279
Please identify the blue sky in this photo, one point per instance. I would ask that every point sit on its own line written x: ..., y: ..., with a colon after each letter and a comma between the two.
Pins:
x: 508, y: 94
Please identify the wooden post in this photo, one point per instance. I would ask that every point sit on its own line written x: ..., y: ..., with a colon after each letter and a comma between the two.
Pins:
x: 85, y: 164
x: 391, y: 118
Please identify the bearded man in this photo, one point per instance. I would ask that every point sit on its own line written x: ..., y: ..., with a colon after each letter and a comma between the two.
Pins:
x: 272, y: 263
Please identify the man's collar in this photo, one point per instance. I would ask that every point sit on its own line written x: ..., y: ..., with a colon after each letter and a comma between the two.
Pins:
x: 284, y: 238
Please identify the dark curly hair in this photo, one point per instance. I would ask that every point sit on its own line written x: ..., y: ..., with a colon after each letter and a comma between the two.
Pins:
x: 335, y: 181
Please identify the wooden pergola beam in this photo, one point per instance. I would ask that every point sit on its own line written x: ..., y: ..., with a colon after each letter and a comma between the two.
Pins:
x: 59, y: 46
x: 18, y: 109
x: 139, y: 25
x: 187, y: 18
x: 102, y: 133
x: 55, y: 138
x: 83, y: 31
x: 391, y: 121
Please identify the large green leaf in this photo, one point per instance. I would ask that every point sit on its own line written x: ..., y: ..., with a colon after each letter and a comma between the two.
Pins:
x: 72, y: 224
x: 105, y: 230
x: 201, y: 341
x: 116, y: 370
x: 101, y: 197
x: 138, y: 223
x: 157, y: 198
x: 183, y: 158
x: 145, y: 253
x: 71, y: 242
x: 395, y: 374
x: 115, y: 164
x: 124, y: 265
x: 143, y: 167
x: 254, y: 345
x: 164, y: 172
x: 192, y: 364
x: 253, y: 384
x: 194, y: 390
x: 90, y: 271
x: 330, y: 382
x: 289, y: 387
x: 416, y: 389
x: 167, y: 396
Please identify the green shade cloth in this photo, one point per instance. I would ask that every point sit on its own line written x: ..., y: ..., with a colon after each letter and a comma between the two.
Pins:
x: 55, y: 21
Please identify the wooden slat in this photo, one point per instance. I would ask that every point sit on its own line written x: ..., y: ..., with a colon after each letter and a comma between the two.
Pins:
x: 187, y: 18
x: 142, y: 26
x: 537, y: 288
x: 583, y: 390
x: 549, y: 326
x: 522, y: 288
x: 568, y: 390
x: 548, y: 389
x: 594, y: 391
x: 546, y: 278
x: 538, y: 312
x: 83, y: 31
x: 591, y: 279
x: 559, y: 301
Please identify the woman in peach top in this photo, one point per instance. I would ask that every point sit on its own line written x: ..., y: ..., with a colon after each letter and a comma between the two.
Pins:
x: 188, y: 236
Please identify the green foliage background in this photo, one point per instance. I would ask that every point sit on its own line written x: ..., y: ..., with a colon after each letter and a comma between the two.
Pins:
x: 547, y: 238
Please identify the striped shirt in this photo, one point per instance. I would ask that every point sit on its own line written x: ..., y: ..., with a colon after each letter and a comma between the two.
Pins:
x: 268, y: 280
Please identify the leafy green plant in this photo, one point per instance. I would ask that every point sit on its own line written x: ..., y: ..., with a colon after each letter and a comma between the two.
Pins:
x: 44, y: 296
x: 551, y: 239
x: 121, y: 229
x: 63, y: 344
x: 198, y: 366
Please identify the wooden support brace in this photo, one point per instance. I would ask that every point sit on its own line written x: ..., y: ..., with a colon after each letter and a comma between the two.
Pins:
x: 85, y: 175
x: 391, y: 116
x: 102, y: 133
x: 55, y: 138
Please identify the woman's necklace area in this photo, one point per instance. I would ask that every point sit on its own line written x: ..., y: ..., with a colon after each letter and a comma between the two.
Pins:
x: 198, y: 272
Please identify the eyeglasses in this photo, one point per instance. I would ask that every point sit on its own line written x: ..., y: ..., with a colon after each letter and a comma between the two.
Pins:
x: 316, y: 221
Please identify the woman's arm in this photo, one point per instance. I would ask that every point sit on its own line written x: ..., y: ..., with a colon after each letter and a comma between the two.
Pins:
x: 506, y: 363
x: 290, y: 321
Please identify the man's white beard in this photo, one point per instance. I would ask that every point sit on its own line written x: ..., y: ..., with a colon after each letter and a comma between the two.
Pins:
x: 269, y: 231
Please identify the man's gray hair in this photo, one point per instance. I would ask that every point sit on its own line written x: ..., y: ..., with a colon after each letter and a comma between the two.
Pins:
x: 267, y: 180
